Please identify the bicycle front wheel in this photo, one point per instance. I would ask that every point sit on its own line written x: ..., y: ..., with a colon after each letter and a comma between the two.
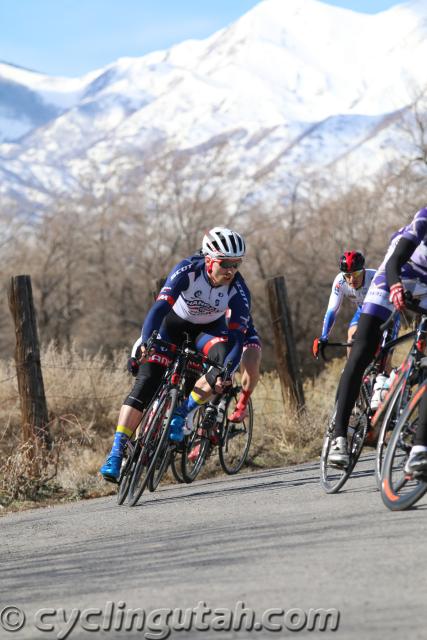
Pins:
x: 399, y: 490
x: 235, y: 438
x: 333, y: 477
x: 133, y: 449
x: 402, y: 394
x: 154, y: 442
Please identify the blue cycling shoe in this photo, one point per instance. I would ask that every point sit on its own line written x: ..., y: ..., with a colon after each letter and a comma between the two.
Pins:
x: 176, y: 432
x: 110, y: 470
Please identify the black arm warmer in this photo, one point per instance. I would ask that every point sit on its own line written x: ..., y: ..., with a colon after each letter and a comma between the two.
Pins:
x: 403, y: 251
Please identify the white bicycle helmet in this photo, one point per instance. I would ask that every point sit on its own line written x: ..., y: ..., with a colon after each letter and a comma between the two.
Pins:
x: 221, y: 242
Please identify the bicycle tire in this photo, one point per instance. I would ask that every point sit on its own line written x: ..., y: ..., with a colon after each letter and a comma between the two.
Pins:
x: 175, y: 465
x: 231, y: 442
x: 155, y: 437
x: 190, y: 469
x: 127, y: 470
x: 159, y: 470
x: 398, y: 490
x: 394, y: 409
x: 332, y: 477
x: 129, y: 467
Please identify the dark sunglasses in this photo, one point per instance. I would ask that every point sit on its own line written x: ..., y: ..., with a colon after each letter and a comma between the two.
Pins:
x: 229, y: 264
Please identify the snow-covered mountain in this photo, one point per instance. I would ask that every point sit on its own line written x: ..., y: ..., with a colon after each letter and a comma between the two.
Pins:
x: 291, y: 87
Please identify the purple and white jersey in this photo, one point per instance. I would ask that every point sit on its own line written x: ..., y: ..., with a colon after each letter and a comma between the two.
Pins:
x: 340, y: 290
x: 413, y: 272
x: 416, y: 232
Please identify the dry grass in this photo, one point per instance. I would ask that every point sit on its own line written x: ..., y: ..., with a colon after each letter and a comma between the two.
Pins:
x: 84, y: 394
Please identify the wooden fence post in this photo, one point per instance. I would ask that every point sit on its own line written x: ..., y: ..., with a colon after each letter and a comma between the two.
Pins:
x: 27, y: 359
x: 286, y: 354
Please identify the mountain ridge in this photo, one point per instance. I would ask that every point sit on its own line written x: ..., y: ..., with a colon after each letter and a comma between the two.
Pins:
x: 310, y: 96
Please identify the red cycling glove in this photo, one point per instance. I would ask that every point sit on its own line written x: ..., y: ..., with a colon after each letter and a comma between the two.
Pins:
x: 315, y: 348
x: 318, y: 345
x: 397, y: 296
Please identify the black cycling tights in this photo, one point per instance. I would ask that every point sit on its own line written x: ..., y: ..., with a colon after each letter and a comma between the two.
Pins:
x: 362, y: 352
x: 174, y: 329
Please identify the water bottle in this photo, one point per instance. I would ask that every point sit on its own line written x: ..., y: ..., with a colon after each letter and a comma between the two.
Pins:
x: 221, y: 410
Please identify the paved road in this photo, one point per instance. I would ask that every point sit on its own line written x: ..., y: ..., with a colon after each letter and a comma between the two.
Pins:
x: 272, y: 540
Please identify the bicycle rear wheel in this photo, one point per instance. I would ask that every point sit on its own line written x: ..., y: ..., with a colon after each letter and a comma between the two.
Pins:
x: 196, y: 448
x: 154, y: 442
x: 175, y: 465
x: 333, y: 477
x: 400, y: 491
x: 235, y: 438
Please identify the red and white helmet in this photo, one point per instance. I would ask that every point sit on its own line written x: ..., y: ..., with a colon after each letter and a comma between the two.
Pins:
x: 352, y: 261
x: 221, y: 242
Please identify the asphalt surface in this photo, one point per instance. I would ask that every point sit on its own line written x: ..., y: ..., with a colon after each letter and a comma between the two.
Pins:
x: 269, y: 540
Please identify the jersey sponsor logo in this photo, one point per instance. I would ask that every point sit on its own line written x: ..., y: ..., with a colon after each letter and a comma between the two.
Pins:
x: 181, y: 270
x: 199, y: 307
x: 164, y: 296
x: 198, y: 293
x: 160, y: 359
x: 242, y: 293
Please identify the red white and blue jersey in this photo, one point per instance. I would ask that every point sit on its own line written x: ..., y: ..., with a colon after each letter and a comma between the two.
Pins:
x: 340, y: 290
x: 189, y: 293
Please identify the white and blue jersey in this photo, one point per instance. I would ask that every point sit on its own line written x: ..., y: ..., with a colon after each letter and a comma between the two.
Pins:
x: 340, y: 290
x: 189, y: 293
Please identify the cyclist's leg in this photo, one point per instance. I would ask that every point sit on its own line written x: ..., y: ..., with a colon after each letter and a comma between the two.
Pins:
x: 352, y: 328
x: 212, y: 340
x: 363, y: 350
x: 146, y: 384
x: 376, y: 309
x: 417, y: 462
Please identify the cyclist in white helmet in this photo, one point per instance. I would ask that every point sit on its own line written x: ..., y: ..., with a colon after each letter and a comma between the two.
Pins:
x: 194, y: 299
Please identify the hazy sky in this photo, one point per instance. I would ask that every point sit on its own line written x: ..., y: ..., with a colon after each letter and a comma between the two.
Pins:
x: 71, y: 37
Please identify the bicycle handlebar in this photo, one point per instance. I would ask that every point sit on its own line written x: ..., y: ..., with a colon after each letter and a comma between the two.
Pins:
x: 332, y: 344
x: 411, y: 304
x: 186, y: 348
